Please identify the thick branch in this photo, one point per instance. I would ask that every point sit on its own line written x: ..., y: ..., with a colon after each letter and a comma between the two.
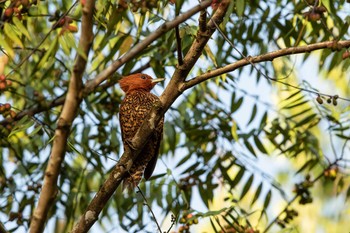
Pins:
x: 70, y: 108
x: 261, y: 58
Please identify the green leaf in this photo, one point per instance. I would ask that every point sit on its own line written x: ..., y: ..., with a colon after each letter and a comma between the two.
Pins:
x: 12, y: 34
x: 6, y: 47
x: 267, y: 199
x: 247, y: 186
x: 240, y: 4
x: 234, y: 131
x: 306, y: 120
x: 213, y: 225
x: 22, y: 125
x: 212, y: 213
x: 299, y: 113
x: 52, y: 50
x: 252, y: 116
x: 35, y: 131
x: 21, y: 28
x: 171, y: 136
x: 263, y: 121
x: 228, y: 14
x: 257, y: 194
x: 343, y: 136
x: 259, y: 145
x: 296, y: 104
x: 249, y: 147
x: 292, y: 95
x: 210, y: 55
x: 183, y: 160
x: 238, y: 177
x: 236, y: 105
x: 309, y: 164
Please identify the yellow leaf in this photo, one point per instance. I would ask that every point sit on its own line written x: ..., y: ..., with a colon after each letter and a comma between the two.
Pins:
x: 210, y: 55
x: 10, y: 33
x: 234, y: 131
x: 126, y: 45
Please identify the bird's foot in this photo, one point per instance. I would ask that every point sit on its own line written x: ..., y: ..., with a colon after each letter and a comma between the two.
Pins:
x: 130, y: 145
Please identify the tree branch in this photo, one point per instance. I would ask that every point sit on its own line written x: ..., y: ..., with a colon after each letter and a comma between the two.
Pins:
x: 68, y: 114
x: 261, y: 58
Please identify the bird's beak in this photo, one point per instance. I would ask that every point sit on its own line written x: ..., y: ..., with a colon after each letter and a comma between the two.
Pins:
x: 157, y: 80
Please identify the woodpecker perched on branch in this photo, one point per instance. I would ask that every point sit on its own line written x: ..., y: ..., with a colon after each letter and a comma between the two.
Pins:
x: 134, y: 109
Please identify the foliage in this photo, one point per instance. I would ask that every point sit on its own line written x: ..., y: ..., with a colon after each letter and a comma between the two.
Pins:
x: 216, y: 134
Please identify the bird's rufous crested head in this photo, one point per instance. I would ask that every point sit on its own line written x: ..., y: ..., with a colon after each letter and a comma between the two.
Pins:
x: 138, y: 82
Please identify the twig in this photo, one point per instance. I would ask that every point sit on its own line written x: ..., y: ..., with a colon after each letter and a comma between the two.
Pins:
x: 149, y: 207
x: 179, y: 47
x: 203, y: 21
x: 173, y: 221
x: 3, y: 229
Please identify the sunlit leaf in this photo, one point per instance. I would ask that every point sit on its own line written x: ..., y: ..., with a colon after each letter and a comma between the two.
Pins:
x: 257, y: 194
x: 247, y: 186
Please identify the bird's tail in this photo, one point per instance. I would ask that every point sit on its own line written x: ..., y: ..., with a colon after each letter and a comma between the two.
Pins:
x: 132, y: 180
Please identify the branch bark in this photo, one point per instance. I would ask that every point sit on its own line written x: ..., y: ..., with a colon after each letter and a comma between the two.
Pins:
x: 170, y: 94
x: 68, y: 114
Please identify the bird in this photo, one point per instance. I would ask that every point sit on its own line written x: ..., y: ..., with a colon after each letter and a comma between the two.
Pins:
x: 134, y: 109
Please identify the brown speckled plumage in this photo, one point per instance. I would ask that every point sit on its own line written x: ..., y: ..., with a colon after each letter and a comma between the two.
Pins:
x: 133, y: 110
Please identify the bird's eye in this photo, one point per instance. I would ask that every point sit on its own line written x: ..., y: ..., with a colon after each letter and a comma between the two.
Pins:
x: 143, y: 76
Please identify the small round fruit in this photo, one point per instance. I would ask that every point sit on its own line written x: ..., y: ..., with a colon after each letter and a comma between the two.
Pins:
x: 319, y: 100
x: 7, y: 106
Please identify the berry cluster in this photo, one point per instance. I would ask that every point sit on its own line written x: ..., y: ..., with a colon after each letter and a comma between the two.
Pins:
x: 17, y: 8
x: 4, y: 83
x: 290, y: 215
x: 331, y: 99
x: 187, y: 220
x: 315, y: 13
x: 302, y: 190
x: 331, y: 172
x: 5, y: 109
x: 6, y: 112
x: 137, y: 5
x: 64, y: 22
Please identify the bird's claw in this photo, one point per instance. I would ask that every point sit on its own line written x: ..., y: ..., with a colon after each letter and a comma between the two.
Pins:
x: 130, y: 145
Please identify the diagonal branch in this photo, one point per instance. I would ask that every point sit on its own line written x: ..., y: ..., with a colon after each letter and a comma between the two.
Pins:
x: 68, y: 114
x: 261, y: 58
x: 141, y: 137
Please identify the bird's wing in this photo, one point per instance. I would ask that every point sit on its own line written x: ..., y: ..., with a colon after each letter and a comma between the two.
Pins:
x: 157, y: 137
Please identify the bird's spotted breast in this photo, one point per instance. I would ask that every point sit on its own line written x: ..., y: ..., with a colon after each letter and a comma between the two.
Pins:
x: 134, y: 109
